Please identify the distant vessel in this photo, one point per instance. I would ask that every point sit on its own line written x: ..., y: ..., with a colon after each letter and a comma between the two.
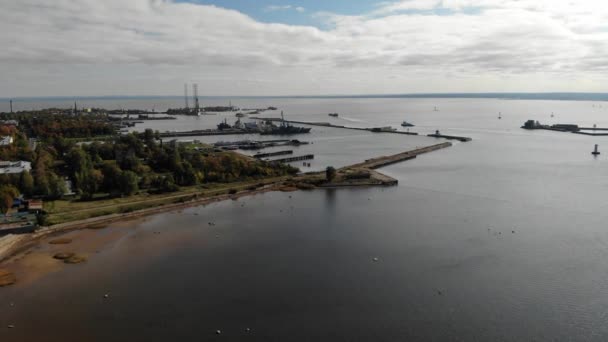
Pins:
x: 552, y: 115
x: 283, y: 129
x: 435, y: 109
x: 333, y: 114
x: 407, y: 124
x: 240, y: 115
x: 223, y: 125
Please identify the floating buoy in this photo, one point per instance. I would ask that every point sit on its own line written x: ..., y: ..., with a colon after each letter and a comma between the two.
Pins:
x: 595, y: 151
x: 217, y: 332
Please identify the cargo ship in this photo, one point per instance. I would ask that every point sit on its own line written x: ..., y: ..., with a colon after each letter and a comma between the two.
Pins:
x: 283, y: 129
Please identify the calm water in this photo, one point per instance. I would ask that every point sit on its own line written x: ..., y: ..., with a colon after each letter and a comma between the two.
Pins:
x: 502, y: 238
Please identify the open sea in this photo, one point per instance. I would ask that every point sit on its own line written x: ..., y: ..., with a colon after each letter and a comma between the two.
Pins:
x: 504, y: 238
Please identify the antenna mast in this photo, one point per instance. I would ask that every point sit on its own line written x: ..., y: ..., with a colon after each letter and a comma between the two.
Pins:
x: 186, y: 95
x: 196, y: 104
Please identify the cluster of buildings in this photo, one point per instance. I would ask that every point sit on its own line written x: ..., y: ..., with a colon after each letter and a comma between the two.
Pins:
x: 10, y: 167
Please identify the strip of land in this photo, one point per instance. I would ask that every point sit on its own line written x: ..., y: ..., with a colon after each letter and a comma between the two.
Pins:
x: 66, y: 216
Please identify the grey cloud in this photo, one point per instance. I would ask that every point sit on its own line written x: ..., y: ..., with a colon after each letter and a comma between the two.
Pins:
x: 506, y: 37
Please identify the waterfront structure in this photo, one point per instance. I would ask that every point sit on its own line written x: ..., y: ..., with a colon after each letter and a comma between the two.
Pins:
x: 11, y: 167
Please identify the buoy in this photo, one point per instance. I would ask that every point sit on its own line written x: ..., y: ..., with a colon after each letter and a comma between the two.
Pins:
x: 595, y: 151
x: 217, y: 332
x: 375, y: 259
x: 106, y: 296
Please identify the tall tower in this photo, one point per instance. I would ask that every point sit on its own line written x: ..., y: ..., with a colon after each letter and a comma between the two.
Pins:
x: 186, y: 95
x: 75, y: 108
x: 11, y: 106
x: 196, y: 104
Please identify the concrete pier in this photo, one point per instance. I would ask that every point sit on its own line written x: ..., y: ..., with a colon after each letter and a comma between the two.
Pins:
x: 327, y: 124
x: 272, y: 154
x: 292, y: 159
x: 378, y: 162
x: 377, y: 178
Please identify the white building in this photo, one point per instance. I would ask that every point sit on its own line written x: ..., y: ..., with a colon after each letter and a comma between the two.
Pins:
x: 10, y: 167
x: 6, y: 140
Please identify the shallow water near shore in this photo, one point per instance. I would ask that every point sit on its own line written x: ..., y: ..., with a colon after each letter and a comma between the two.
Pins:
x: 502, y: 238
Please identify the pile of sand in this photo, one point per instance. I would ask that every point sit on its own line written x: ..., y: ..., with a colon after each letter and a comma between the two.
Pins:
x: 70, y: 258
x: 63, y: 255
x: 6, y: 278
x: 75, y: 259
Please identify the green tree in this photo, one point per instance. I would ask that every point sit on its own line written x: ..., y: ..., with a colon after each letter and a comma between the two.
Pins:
x: 330, y: 173
x: 86, y: 179
x: 129, y: 183
x: 111, y: 177
x: 26, y: 183
x: 7, y: 195
x: 56, y: 186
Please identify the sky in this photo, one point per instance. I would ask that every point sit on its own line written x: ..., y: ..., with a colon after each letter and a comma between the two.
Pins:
x: 314, y: 47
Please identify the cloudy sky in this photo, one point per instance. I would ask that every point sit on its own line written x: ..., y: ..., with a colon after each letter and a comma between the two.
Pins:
x: 315, y: 47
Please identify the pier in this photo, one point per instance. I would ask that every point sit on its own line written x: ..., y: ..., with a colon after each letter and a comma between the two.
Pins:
x: 379, y: 162
x: 449, y: 137
x: 373, y: 129
x: 292, y: 159
x: 272, y: 154
x: 204, y: 132
x: 365, y: 174
x: 570, y: 128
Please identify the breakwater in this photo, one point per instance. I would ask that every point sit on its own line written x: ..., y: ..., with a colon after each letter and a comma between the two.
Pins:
x: 372, y: 129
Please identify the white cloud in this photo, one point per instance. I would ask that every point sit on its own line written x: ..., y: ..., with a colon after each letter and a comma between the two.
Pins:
x: 274, y: 8
x: 122, y: 45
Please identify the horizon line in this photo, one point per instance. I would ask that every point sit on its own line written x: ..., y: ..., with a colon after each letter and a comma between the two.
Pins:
x: 514, y: 95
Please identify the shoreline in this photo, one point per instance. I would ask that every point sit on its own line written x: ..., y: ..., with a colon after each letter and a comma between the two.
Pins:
x: 20, y: 242
x: 13, y: 245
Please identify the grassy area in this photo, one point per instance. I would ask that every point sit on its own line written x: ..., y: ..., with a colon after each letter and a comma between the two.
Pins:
x: 65, y: 211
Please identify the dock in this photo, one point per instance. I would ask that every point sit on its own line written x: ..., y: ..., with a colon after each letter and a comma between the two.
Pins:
x: 372, y: 129
x: 569, y: 128
x: 365, y: 174
x: 292, y: 159
x: 204, y: 132
x: 272, y: 154
x: 379, y: 162
x: 449, y: 137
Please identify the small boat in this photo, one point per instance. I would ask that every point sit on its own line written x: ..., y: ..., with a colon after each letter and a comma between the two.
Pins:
x: 240, y: 115
x: 333, y: 114
x: 407, y: 124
